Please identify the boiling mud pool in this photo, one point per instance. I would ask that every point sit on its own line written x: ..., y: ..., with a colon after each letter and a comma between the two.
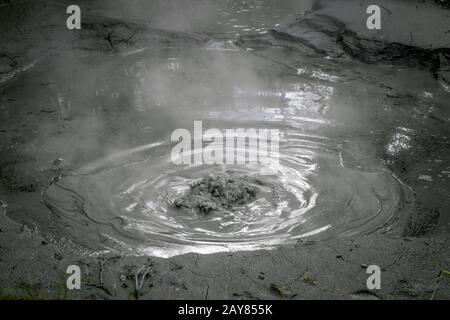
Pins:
x: 120, y: 110
x: 310, y: 193
x: 319, y: 188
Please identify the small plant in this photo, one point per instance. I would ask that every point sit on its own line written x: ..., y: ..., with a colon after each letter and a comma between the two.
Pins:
x: 144, y: 271
x: 25, y: 291
x: 21, y: 292
x: 441, y: 274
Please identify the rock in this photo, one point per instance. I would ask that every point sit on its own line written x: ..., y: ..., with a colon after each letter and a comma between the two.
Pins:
x: 319, y: 32
x: 337, y: 28
x: 281, y: 291
x: 57, y: 162
x: 378, y: 51
x: 58, y: 256
x: 215, y: 192
x: 327, y: 36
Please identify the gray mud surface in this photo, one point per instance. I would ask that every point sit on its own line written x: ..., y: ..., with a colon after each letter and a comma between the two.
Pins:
x: 43, y: 137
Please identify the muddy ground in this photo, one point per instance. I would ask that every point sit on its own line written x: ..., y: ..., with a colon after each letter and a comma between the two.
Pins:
x: 33, y: 265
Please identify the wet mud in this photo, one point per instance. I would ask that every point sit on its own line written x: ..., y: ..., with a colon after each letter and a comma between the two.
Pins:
x: 85, y: 119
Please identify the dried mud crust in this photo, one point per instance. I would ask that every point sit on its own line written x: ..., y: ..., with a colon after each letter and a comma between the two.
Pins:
x: 218, y: 192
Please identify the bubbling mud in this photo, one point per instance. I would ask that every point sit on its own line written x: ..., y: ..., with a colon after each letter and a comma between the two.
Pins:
x: 314, y: 190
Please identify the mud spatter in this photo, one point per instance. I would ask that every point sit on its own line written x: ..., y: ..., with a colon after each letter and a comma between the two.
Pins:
x: 218, y: 192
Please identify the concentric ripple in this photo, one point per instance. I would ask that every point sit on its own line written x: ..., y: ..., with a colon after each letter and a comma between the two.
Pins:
x: 125, y: 202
